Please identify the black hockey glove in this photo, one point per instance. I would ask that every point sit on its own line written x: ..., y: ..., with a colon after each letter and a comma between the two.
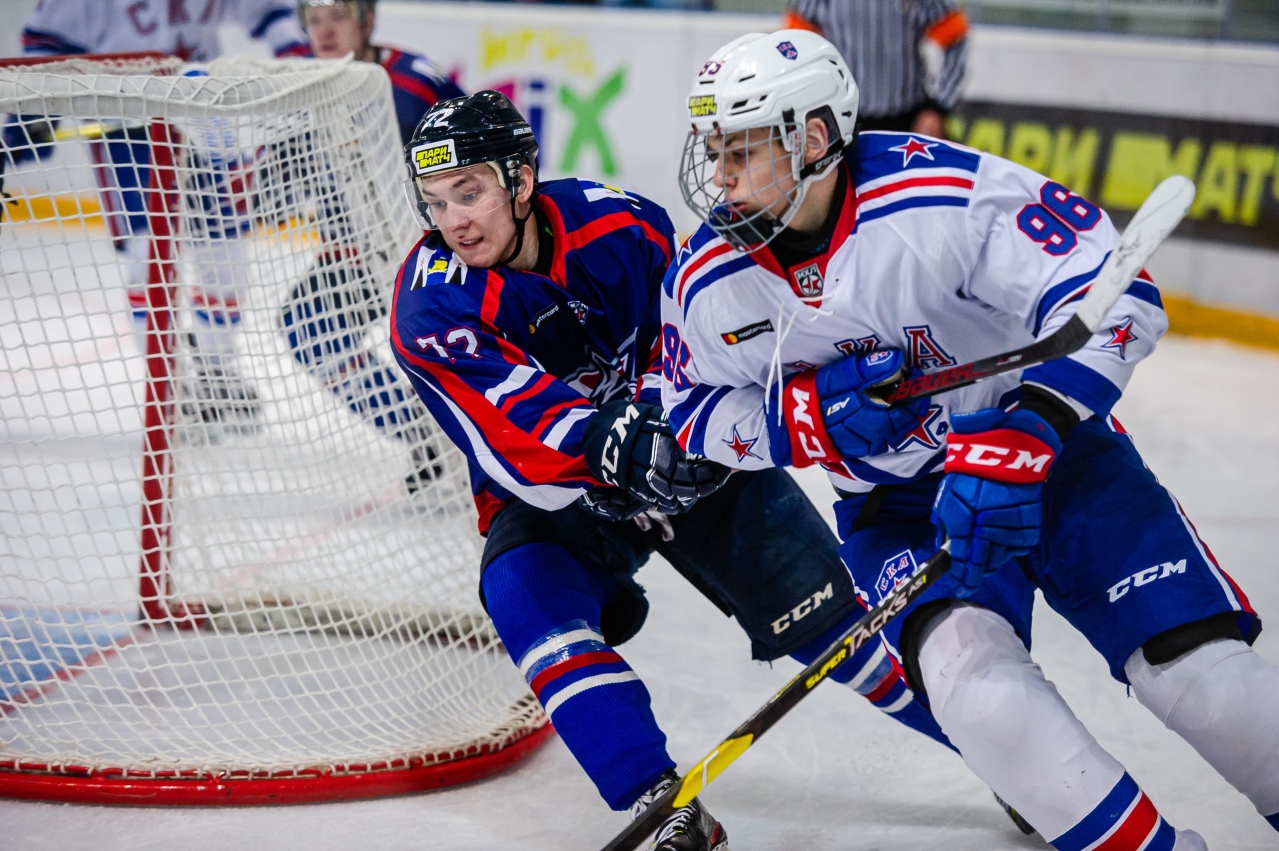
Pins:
x: 630, y: 445
x: 612, y: 504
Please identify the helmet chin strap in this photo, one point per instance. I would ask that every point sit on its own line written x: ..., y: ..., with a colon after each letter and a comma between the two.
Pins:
x: 519, y: 232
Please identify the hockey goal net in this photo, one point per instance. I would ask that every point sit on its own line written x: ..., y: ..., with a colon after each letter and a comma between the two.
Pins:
x: 238, y: 562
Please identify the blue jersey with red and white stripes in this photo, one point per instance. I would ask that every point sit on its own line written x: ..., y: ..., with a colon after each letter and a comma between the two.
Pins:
x: 940, y: 251
x: 416, y: 84
x: 513, y: 364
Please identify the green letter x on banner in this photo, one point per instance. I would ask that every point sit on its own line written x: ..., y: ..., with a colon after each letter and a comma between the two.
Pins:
x: 586, y: 123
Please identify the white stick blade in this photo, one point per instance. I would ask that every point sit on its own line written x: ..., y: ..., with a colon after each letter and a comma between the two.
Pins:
x: 1150, y: 226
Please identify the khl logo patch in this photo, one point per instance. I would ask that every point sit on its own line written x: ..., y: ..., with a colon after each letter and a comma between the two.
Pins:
x: 808, y: 281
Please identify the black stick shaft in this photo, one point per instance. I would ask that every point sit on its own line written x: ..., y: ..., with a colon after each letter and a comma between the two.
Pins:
x: 1069, y: 338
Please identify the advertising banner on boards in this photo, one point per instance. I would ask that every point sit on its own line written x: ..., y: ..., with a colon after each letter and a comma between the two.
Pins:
x: 1117, y: 158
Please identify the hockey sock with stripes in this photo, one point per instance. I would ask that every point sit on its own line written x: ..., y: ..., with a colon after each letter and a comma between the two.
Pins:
x: 1223, y: 699
x: 546, y: 606
x: 877, y: 676
x: 1126, y: 820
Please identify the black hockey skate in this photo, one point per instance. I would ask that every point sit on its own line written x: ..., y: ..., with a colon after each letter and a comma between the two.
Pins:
x: 691, y: 828
x: 1022, y: 825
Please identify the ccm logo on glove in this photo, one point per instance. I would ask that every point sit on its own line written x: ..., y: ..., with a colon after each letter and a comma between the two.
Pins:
x: 1010, y: 455
x: 609, y: 457
x: 806, y: 433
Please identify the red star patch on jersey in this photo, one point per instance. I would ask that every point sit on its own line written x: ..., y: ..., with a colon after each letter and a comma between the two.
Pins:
x: 740, y: 446
x: 928, y: 433
x: 913, y: 148
x: 1120, y: 336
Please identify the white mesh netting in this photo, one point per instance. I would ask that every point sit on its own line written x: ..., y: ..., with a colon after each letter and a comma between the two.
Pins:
x: 232, y: 543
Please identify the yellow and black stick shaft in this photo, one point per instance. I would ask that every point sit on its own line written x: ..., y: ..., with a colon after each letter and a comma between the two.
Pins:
x: 701, y: 775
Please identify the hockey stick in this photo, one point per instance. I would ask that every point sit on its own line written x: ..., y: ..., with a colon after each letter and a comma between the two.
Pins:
x: 1149, y: 227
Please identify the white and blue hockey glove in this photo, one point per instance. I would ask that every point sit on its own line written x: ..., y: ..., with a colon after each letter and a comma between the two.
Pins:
x: 989, y: 501
x: 630, y: 445
x: 830, y: 414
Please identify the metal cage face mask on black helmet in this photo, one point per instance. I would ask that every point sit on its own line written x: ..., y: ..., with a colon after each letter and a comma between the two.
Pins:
x: 483, y: 129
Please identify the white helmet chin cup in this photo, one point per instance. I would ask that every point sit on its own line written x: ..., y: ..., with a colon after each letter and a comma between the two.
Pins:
x: 777, y: 81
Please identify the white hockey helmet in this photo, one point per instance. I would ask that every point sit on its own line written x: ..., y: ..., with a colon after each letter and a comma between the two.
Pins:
x: 773, y: 82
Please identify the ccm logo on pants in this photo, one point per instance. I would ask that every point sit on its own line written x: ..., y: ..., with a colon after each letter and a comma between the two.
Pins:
x: 801, y: 611
x: 1145, y: 577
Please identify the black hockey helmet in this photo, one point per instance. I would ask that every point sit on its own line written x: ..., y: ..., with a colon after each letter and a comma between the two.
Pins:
x: 481, y: 128
x: 474, y: 130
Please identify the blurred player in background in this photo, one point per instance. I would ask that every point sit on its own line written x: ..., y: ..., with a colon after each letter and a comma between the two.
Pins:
x: 217, y: 207
x: 907, y: 56
x: 879, y: 252
x: 328, y: 313
x: 527, y: 320
x: 339, y: 27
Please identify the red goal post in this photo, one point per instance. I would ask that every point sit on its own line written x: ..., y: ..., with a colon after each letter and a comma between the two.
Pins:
x: 194, y: 608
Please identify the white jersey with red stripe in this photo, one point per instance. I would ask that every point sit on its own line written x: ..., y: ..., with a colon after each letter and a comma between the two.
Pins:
x: 940, y: 251
x: 184, y: 28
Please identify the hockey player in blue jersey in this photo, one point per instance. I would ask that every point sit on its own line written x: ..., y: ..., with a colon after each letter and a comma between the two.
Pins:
x: 327, y: 314
x: 855, y: 257
x: 340, y: 27
x: 527, y: 321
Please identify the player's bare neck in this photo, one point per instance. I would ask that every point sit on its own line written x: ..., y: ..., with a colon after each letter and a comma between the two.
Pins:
x: 813, y: 213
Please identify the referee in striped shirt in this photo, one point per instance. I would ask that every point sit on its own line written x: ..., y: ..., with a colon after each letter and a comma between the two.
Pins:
x: 907, y: 56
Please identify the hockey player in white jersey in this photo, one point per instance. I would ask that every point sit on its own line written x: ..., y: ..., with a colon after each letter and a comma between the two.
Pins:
x: 187, y: 29
x: 829, y: 263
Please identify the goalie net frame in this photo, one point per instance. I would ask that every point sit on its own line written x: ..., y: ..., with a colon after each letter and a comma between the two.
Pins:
x: 164, y: 609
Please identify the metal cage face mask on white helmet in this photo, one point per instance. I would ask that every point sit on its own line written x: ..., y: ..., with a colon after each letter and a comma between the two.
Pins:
x: 748, y: 109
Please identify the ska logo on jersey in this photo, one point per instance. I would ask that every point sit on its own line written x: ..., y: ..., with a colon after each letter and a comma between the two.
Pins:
x: 895, y: 572
x: 741, y: 446
x: 1120, y: 336
x: 434, y: 157
x: 787, y: 50
x: 747, y: 332
x: 580, y: 310
x: 807, y: 281
x: 929, y: 432
x: 699, y: 106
